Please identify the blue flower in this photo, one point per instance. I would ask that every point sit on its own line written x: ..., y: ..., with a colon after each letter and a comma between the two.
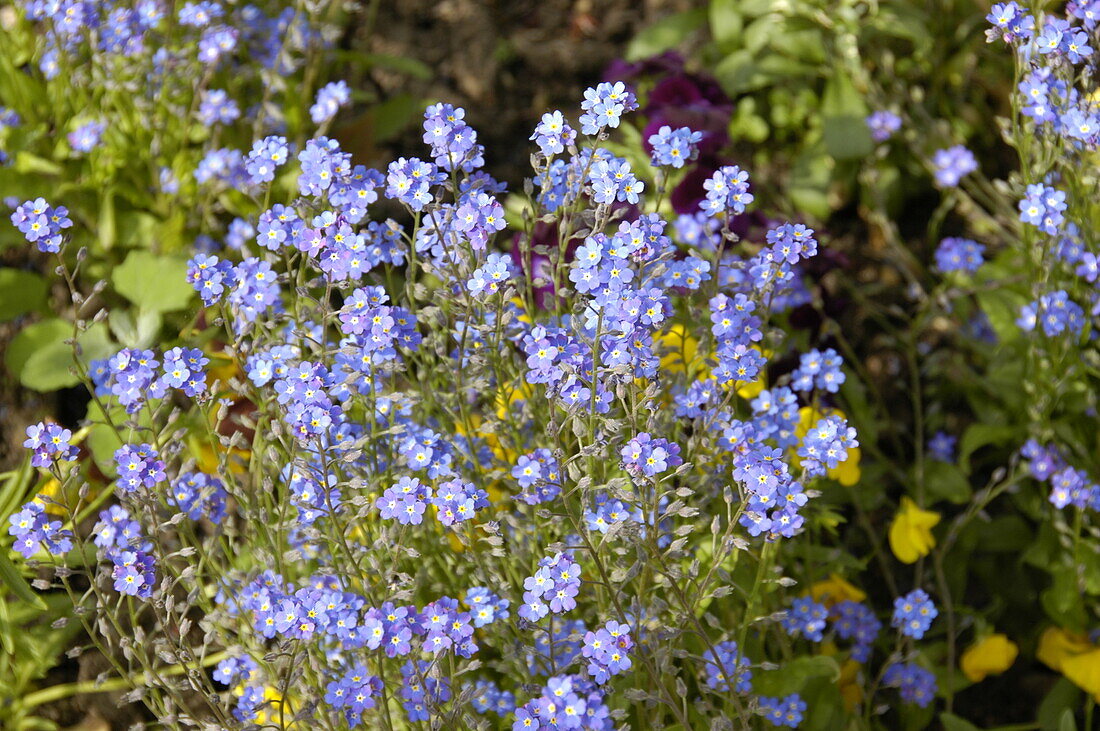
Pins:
x: 727, y: 192
x: 674, y: 147
x: 916, y: 684
x: 883, y: 124
x: 913, y: 613
x: 959, y: 255
x: 553, y: 134
x: 952, y: 165
x: 330, y: 98
x: 604, y: 106
x: 785, y: 711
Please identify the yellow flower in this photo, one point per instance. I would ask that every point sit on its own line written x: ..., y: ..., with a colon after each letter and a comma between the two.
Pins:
x: 834, y: 590
x: 847, y: 473
x: 851, y: 688
x: 51, y: 489
x: 522, y: 309
x: 991, y: 655
x: 1072, y: 655
x: 1056, y: 644
x: 911, y: 532
x: 1083, y: 670
x: 677, y: 349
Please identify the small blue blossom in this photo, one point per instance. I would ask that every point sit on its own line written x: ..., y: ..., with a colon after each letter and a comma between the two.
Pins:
x: 952, y: 165
x: 959, y: 255
x: 913, y: 613
x: 674, y: 148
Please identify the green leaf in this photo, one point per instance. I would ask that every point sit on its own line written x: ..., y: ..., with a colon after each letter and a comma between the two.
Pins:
x: 393, y: 115
x: 1067, y: 722
x: 401, y: 64
x: 33, y: 338
x: 107, y: 229
x: 14, y: 581
x: 946, y: 482
x: 50, y: 368
x: 726, y: 21
x: 793, y: 676
x: 41, y: 359
x: 809, y: 189
x: 665, y: 34
x: 136, y: 332
x: 847, y: 137
x: 1062, y: 699
x: 844, y: 111
x: 951, y: 722
x: 21, y: 292
x: 154, y: 283
x: 1002, y: 307
x: 977, y: 436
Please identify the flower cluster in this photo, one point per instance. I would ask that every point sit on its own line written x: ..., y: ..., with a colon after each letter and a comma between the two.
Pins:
x: 138, y: 466
x: 33, y: 530
x: 644, y: 456
x: 952, y: 165
x: 42, y: 224
x: 883, y: 124
x: 553, y: 588
x: 820, y: 370
x: 913, y: 613
x: 608, y: 651
x: 120, y: 540
x: 785, y: 711
x: 1055, y: 312
x: 917, y: 685
x: 49, y: 443
x: 956, y: 254
x: 806, y: 618
x: 674, y: 148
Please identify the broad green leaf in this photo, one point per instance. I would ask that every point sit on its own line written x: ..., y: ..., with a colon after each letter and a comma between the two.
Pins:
x: 50, y: 368
x: 844, y: 110
x: 1062, y: 699
x: 665, y: 34
x: 726, y: 21
x: 793, y: 676
x: 21, y: 292
x: 401, y: 64
x: 946, y: 482
x: 977, y: 436
x: 154, y: 283
x: 136, y: 332
x: 15, y: 582
x: 951, y: 722
x: 32, y: 338
x: 847, y: 137
x: 1002, y: 307
x: 1067, y: 722
x: 393, y: 115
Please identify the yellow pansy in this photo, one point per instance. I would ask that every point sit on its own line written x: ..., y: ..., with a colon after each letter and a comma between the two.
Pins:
x: 522, y: 308
x: 850, y: 683
x: 269, y: 713
x: 1071, y: 654
x: 511, y: 394
x: 1083, y: 670
x: 222, y: 368
x: 678, y: 349
x: 991, y: 655
x: 847, y: 473
x: 1056, y: 644
x: 834, y: 590
x: 49, y: 496
x: 911, y: 532
x: 209, y: 460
